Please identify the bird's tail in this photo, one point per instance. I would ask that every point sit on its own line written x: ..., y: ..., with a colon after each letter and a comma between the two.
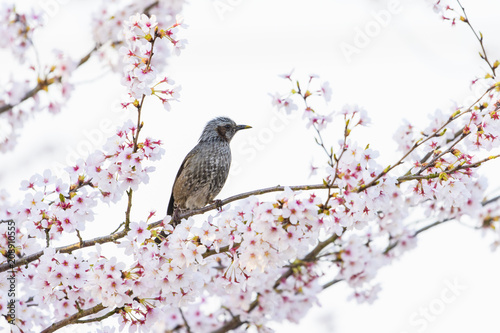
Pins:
x: 170, y: 209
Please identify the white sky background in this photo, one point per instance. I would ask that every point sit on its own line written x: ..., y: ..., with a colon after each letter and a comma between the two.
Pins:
x: 416, y: 64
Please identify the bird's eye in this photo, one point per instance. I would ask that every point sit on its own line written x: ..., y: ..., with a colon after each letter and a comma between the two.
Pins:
x: 227, y: 127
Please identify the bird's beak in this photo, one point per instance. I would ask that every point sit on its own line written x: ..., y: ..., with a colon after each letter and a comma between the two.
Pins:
x: 240, y: 127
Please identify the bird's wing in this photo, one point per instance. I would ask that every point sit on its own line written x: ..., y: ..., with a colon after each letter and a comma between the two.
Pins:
x: 170, y: 209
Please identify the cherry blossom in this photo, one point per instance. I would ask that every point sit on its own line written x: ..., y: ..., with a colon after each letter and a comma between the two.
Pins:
x: 258, y: 259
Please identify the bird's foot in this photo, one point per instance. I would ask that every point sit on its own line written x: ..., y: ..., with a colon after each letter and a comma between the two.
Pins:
x: 175, y: 217
x: 218, y: 204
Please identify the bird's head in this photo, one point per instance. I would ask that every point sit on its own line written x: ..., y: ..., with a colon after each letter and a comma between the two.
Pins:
x: 221, y: 128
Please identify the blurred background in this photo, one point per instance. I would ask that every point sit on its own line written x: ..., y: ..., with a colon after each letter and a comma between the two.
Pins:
x: 410, y: 64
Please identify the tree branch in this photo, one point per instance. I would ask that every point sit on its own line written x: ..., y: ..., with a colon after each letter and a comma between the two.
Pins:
x: 93, y: 320
x: 421, y: 141
x: 71, y: 319
x: 120, y: 234
x: 246, y: 195
x: 64, y: 249
x: 479, y: 38
x: 311, y: 256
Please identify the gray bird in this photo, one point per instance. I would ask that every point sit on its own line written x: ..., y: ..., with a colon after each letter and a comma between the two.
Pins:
x: 205, y: 169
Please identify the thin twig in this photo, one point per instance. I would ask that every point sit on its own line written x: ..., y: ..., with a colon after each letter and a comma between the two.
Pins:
x: 487, y: 202
x: 331, y: 283
x: 186, y: 325
x: 479, y: 38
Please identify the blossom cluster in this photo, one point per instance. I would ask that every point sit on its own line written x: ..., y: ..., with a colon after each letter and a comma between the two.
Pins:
x: 444, y: 157
x: 372, y: 209
x: 108, y: 22
x: 22, y: 95
x: 140, y: 75
x: 17, y: 30
x: 48, y: 86
x: 54, y: 208
x: 225, y: 257
x: 13, y: 119
x: 286, y: 101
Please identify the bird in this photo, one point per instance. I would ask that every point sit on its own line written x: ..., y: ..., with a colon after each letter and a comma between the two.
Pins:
x: 205, y: 168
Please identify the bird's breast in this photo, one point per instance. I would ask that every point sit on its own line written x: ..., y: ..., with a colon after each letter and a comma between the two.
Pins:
x: 204, y: 175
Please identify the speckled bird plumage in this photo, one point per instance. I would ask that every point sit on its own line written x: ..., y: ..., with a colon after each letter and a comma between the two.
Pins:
x: 204, y: 170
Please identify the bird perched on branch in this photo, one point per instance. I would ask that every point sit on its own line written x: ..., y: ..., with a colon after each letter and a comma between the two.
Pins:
x: 205, y: 169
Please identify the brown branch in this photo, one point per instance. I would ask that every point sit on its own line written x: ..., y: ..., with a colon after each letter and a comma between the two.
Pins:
x: 148, y: 8
x: 71, y: 319
x: 246, y: 195
x: 311, y: 256
x: 230, y: 325
x: 29, y: 94
x: 447, y: 172
x: 129, y: 208
x: 432, y: 162
x: 430, y: 226
x: 65, y: 249
x: 93, y: 320
x: 115, y: 236
x: 221, y: 250
x: 235, y: 322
